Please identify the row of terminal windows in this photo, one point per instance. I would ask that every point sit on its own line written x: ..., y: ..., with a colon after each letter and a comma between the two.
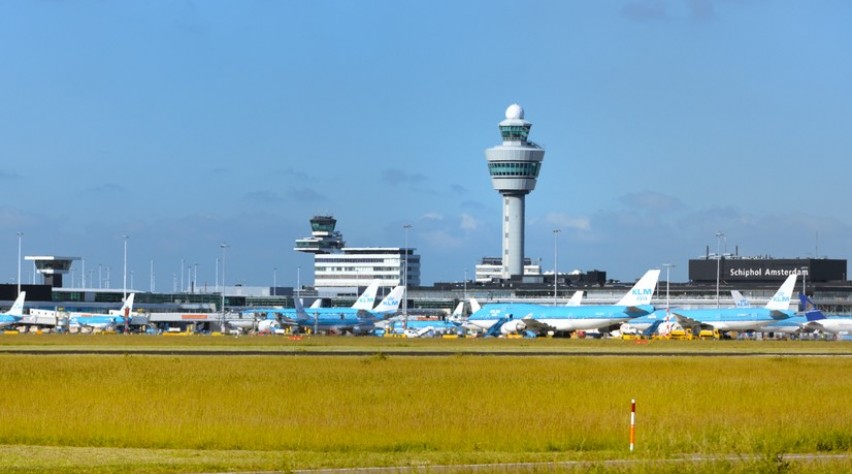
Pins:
x: 329, y: 260
x: 321, y: 269
x: 523, y: 169
x: 515, y: 132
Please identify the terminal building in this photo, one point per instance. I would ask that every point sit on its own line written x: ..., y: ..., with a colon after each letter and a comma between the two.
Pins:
x: 491, y: 269
x: 345, y: 270
x: 737, y: 270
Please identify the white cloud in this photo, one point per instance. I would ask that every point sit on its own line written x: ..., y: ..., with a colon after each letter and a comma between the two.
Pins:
x: 564, y: 221
x: 468, y: 223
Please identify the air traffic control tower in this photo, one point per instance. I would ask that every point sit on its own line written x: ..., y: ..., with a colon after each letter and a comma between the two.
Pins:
x: 514, y: 168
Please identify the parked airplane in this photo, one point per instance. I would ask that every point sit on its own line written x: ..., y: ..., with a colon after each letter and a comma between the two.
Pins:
x: 831, y: 325
x: 516, y: 318
x: 364, y: 302
x: 791, y: 325
x: 659, y: 322
x: 423, y: 327
x: 95, y: 321
x: 420, y: 327
x: 343, y: 320
x: 15, y: 313
x: 742, y: 319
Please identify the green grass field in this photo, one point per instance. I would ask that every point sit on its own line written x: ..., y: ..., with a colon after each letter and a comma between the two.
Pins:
x: 165, y: 413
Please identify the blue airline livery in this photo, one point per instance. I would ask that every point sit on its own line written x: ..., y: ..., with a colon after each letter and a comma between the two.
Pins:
x: 742, y: 319
x: 364, y: 303
x: 113, y: 320
x: 420, y: 327
x: 791, y: 325
x: 517, y: 318
x: 15, y: 313
x: 657, y: 322
x: 269, y: 320
x: 335, y: 320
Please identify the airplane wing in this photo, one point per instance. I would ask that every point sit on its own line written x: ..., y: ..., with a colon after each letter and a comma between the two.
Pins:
x: 37, y: 321
x: 637, y: 311
x: 685, y: 320
x: 778, y: 314
x: 534, y: 324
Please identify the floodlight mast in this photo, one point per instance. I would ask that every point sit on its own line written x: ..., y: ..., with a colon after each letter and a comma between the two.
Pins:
x: 223, y: 246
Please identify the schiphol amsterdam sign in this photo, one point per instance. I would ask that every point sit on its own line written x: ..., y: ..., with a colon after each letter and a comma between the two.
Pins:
x: 761, y: 272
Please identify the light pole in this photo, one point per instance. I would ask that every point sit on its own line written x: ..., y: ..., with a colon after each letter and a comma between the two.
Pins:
x: 464, y: 295
x: 223, y: 246
x: 20, y: 234
x: 274, y: 281
x: 804, y: 271
x: 405, y: 280
x: 668, y: 267
x: 719, y: 237
x: 555, y: 262
x: 124, y: 291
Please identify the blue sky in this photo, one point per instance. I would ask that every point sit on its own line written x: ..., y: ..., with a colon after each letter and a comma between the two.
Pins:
x: 185, y: 124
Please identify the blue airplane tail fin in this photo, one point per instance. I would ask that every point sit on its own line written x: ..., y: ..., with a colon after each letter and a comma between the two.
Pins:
x: 815, y: 315
x: 806, y: 303
x: 301, y: 314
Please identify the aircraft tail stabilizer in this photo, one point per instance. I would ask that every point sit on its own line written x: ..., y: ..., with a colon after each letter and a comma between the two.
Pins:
x: 474, y: 305
x: 781, y: 300
x: 127, y: 307
x: 806, y: 303
x: 368, y: 297
x: 300, y: 309
x: 392, y: 301
x: 740, y: 301
x: 642, y: 291
x: 17, y: 308
x: 576, y: 298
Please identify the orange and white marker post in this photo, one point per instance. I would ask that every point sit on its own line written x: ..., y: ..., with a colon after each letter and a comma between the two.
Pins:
x: 632, y: 424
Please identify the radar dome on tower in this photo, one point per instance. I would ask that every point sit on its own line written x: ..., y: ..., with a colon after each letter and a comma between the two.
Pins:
x: 515, y: 112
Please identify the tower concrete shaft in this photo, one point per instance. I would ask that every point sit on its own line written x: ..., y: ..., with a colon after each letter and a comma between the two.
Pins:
x: 514, y: 166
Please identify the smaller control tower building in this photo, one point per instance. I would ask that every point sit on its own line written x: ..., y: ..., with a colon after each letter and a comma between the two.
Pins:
x: 324, y: 239
x: 514, y: 168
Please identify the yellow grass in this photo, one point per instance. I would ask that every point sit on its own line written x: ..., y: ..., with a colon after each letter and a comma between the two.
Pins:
x: 175, y: 413
x: 47, y: 342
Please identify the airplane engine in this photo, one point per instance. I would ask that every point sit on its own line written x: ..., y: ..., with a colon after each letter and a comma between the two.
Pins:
x: 268, y: 325
x: 512, y: 327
